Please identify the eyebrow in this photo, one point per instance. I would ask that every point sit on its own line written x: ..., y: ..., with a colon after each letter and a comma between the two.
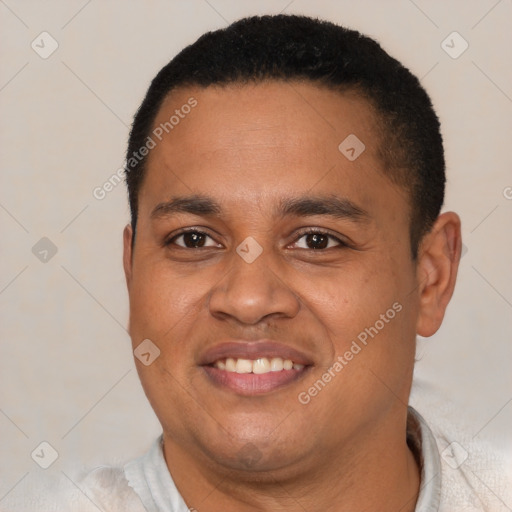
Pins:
x: 196, y: 205
x: 332, y: 206
x: 307, y: 206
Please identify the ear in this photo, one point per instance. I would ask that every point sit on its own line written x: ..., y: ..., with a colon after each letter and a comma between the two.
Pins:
x: 127, y: 254
x: 438, y: 262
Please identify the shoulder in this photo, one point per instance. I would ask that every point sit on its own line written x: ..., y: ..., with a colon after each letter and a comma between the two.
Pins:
x: 103, y: 488
x: 475, y: 476
x: 108, y: 487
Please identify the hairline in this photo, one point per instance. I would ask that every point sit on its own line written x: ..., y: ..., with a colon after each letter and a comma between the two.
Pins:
x: 389, y: 170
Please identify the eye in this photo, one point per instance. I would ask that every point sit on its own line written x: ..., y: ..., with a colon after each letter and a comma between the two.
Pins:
x: 192, y: 239
x: 318, y: 240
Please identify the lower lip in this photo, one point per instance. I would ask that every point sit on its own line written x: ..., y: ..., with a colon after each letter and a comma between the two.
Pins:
x: 251, y: 383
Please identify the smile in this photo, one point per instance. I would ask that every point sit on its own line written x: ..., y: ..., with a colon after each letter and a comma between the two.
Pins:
x: 254, y: 377
x: 258, y: 366
x: 253, y: 367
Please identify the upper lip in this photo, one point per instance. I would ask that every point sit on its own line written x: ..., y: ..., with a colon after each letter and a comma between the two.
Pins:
x: 252, y: 350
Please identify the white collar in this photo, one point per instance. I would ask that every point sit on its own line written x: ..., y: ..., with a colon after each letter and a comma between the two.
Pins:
x: 151, y: 480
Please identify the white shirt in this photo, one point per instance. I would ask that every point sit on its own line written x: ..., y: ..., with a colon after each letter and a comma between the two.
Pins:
x: 458, y: 474
x: 449, y: 483
x: 152, y: 482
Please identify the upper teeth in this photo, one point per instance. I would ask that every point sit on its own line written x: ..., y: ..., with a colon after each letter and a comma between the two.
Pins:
x: 258, y: 366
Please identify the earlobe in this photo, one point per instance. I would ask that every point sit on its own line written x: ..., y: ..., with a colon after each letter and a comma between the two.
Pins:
x: 127, y: 253
x: 438, y: 262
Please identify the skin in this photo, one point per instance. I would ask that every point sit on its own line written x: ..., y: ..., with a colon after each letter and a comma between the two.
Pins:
x: 248, y: 147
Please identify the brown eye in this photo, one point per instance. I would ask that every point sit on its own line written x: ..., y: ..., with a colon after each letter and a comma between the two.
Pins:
x: 192, y: 240
x: 317, y: 241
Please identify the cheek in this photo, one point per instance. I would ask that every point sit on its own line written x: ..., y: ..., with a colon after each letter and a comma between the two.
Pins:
x: 161, y: 299
x: 385, y: 332
x: 369, y: 316
x: 354, y: 298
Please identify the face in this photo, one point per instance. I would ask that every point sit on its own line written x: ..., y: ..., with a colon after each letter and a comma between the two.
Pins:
x: 273, y: 271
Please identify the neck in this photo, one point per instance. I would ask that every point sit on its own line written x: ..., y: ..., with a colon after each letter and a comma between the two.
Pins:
x: 377, y: 473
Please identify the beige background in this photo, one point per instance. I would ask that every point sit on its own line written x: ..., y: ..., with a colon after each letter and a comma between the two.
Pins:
x: 66, y: 368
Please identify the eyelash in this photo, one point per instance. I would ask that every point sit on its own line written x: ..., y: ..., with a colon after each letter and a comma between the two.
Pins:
x: 315, y: 231
x: 305, y: 232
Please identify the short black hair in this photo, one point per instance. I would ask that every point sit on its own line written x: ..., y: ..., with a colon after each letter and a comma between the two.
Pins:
x: 298, y: 48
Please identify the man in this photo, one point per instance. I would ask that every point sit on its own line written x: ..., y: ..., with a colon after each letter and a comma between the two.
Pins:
x: 285, y: 250
x: 286, y: 246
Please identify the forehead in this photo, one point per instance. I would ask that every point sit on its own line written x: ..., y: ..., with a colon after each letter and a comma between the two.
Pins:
x: 257, y: 141
x: 274, y: 113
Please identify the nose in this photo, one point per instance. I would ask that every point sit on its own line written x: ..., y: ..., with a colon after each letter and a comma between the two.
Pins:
x: 252, y: 292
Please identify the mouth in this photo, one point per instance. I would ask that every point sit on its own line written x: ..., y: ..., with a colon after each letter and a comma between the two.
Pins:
x: 252, y: 368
